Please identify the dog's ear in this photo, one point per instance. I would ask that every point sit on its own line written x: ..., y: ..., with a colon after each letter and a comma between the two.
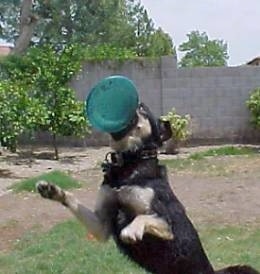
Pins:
x: 165, y: 130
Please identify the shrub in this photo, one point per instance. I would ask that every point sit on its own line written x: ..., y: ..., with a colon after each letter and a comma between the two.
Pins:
x: 35, y: 95
x: 253, y: 104
x: 180, y: 132
x: 19, y: 112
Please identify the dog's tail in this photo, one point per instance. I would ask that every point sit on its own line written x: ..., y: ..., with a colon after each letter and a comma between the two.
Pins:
x: 238, y: 269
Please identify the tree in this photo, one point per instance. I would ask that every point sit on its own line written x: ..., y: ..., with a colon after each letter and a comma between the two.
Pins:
x: 61, y: 21
x: 119, y: 23
x: 52, y: 71
x: 28, y: 21
x: 19, y: 112
x: 160, y: 44
x: 148, y: 41
x: 34, y: 95
x: 202, y: 52
x: 9, y: 10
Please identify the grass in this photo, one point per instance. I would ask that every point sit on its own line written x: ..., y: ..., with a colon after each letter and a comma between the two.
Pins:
x: 232, y: 245
x: 66, y: 250
x: 210, y: 162
x: 196, y: 167
x: 57, y: 177
x: 224, y: 151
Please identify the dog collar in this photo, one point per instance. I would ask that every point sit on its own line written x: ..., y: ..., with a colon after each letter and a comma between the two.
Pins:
x: 120, y: 159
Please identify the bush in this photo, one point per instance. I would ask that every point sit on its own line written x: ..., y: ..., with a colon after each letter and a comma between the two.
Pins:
x: 35, y: 95
x: 54, y: 69
x: 253, y: 104
x: 180, y: 132
x: 19, y: 112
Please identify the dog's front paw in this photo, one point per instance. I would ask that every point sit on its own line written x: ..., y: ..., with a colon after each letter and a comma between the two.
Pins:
x: 51, y: 191
x: 132, y: 233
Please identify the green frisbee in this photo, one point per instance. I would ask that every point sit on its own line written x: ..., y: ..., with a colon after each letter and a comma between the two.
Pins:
x: 111, y: 104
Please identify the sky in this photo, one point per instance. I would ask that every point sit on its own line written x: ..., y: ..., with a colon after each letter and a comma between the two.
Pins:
x: 237, y: 22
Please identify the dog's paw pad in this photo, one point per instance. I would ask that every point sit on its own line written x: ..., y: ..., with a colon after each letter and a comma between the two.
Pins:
x: 48, y: 190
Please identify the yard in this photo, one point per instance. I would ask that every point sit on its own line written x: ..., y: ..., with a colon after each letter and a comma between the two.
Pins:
x: 219, y: 188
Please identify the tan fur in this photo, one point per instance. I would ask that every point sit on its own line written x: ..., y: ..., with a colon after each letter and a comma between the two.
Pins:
x: 138, y: 199
x: 142, y: 224
x: 134, y: 138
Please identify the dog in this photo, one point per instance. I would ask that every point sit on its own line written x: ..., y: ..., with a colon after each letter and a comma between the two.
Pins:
x: 137, y: 206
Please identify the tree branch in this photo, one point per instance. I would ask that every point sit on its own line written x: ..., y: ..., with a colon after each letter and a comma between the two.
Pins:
x: 28, y: 21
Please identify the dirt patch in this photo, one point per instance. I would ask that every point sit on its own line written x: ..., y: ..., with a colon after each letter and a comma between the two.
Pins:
x: 15, y: 167
x: 232, y: 199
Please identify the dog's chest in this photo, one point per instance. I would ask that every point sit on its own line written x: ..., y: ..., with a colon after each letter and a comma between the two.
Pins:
x: 131, y: 184
x: 136, y: 173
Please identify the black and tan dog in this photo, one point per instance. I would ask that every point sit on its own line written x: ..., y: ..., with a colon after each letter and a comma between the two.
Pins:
x: 137, y: 206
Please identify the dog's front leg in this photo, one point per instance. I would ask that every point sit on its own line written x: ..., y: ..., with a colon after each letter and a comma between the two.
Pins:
x: 151, y: 224
x: 97, y: 222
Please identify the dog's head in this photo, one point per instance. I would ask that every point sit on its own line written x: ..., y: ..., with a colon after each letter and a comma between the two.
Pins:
x: 144, y: 132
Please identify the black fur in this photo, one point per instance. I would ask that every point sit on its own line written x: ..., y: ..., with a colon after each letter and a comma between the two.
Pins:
x: 182, y: 255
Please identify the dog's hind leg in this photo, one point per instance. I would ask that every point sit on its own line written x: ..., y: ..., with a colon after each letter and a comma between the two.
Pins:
x: 142, y: 224
x: 97, y: 222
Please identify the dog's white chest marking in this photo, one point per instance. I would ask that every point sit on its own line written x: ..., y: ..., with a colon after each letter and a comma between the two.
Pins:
x: 139, y: 200
x: 136, y: 198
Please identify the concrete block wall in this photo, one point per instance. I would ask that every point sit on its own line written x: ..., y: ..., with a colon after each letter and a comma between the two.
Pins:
x: 214, y: 97
x: 146, y: 75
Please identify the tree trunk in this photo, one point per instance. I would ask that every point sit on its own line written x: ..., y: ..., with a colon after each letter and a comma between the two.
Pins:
x: 54, y: 142
x: 32, y: 137
x: 28, y: 21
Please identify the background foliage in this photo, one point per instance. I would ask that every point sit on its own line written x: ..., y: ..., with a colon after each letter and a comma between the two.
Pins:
x: 180, y: 130
x: 19, y: 112
x: 253, y: 104
x: 35, y: 94
x: 200, y: 51
x: 179, y: 125
x: 119, y: 23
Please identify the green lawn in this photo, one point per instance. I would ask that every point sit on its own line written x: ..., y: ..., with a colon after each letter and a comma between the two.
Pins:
x: 202, y: 166
x: 224, y: 151
x: 211, y: 162
x: 232, y: 245
x: 57, y: 177
x: 65, y: 249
